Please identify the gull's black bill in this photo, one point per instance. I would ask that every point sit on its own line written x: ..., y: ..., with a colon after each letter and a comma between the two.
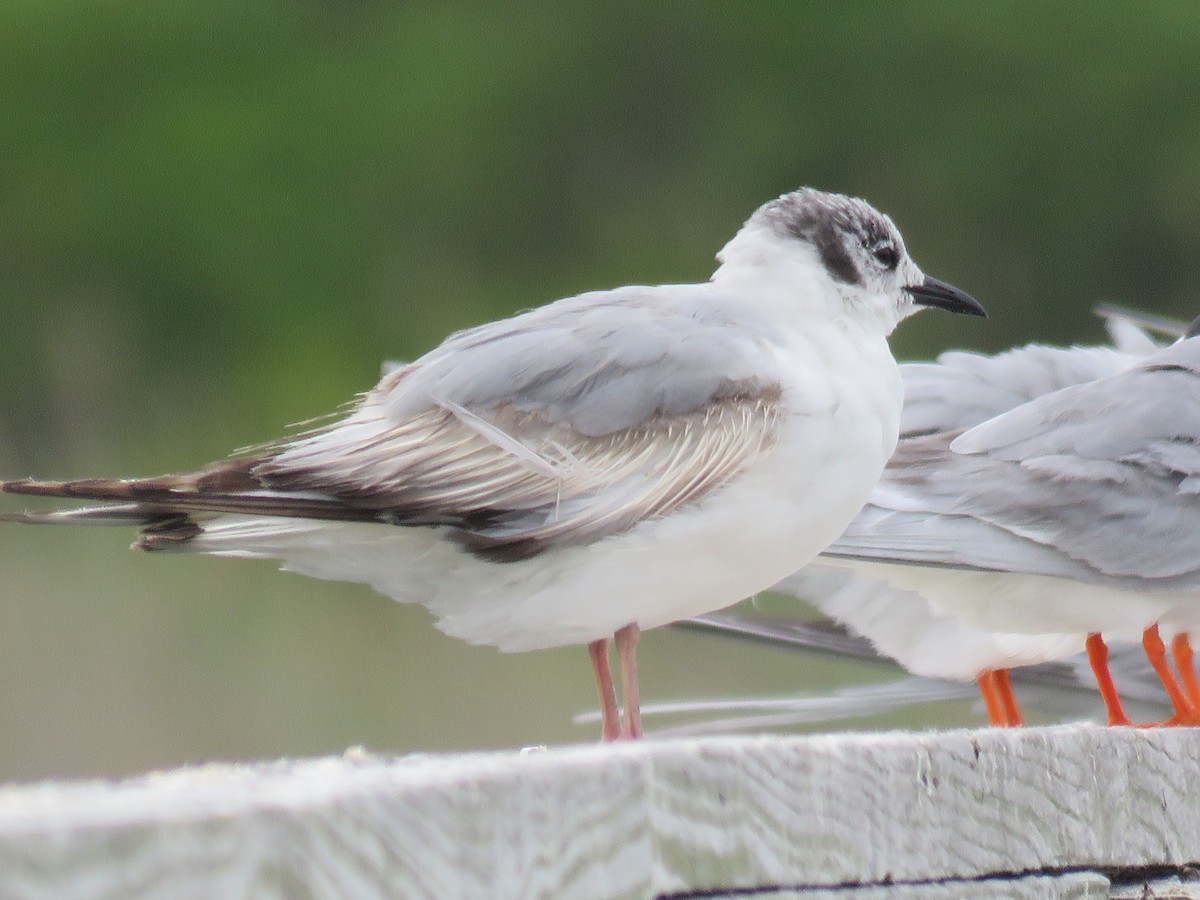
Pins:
x: 932, y: 292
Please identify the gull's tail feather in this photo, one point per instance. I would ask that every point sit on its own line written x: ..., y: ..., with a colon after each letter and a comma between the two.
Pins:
x: 120, y: 514
x: 161, y: 528
x: 170, y: 509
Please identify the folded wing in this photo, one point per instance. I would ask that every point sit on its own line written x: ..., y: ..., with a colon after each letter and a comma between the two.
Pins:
x: 560, y: 426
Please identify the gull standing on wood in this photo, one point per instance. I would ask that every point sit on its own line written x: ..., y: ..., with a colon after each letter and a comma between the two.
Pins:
x: 1069, y: 515
x: 610, y: 462
x: 957, y: 391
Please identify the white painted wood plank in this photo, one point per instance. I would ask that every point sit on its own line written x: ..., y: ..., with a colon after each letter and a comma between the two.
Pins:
x: 1172, y: 888
x: 625, y: 821
x: 1073, y: 886
x: 875, y: 808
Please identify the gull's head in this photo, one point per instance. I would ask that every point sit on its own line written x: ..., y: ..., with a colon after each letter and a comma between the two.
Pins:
x: 837, y: 257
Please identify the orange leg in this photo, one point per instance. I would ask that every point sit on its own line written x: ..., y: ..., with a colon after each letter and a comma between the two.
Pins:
x: 1156, y: 652
x: 1097, y: 653
x: 611, y: 728
x: 993, y: 701
x: 1012, y: 711
x: 1181, y: 649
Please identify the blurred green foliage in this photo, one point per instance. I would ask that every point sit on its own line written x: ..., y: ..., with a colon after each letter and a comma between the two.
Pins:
x: 217, y: 218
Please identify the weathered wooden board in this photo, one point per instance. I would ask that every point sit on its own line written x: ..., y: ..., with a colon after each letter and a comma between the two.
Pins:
x: 1172, y: 888
x: 1040, y: 812
x: 1073, y: 886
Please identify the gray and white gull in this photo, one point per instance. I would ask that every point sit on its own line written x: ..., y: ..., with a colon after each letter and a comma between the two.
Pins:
x: 609, y: 462
x: 1062, y: 515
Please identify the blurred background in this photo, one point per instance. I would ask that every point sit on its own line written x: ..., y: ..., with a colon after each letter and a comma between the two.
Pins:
x: 219, y: 218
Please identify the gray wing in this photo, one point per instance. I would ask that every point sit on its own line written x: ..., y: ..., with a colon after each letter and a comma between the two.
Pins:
x: 961, y: 390
x: 1149, y: 407
x: 599, y: 363
x: 1097, y: 482
x: 561, y: 425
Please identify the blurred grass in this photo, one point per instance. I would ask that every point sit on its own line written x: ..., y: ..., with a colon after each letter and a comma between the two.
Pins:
x: 219, y: 218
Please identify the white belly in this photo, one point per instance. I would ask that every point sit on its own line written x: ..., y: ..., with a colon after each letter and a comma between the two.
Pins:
x: 1026, y: 604
x: 902, y: 624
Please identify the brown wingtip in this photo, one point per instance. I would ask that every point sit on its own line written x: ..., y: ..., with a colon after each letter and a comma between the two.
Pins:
x: 87, y: 488
x: 13, y: 487
x: 36, y: 488
x: 224, y: 476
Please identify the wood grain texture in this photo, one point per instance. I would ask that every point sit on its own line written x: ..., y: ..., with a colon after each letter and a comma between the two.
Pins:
x: 1172, y: 888
x: 1073, y: 886
x: 889, y: 815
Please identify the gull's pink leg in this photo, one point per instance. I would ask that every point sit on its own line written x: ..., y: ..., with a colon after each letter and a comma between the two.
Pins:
x: 627, y: 639
x: 1097, y: 653
x: 611, y: 728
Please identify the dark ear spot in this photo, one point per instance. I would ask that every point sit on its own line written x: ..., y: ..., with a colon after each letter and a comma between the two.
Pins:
x: 824, y: 234
x: 836, y: 257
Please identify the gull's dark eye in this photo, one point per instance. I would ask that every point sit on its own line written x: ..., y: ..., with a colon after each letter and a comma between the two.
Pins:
x: 886, y: 254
